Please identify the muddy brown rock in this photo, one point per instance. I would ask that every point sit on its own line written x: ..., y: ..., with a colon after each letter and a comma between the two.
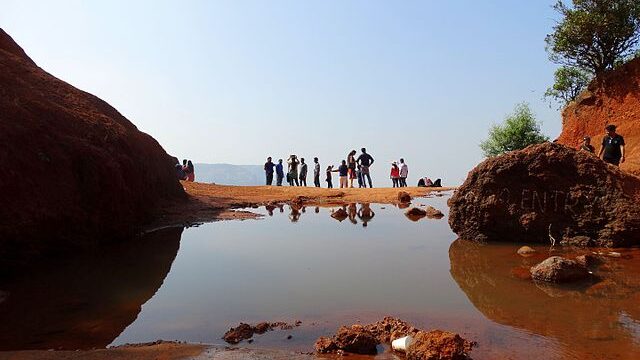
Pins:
x: 548, y: 191
x: 86, y: 173
x: 390, y: 328
x: 356, y: 339
x: 239, y: 333
x: 558, y: 269
x: 438, y: 345
x: 325, y: 345
x: 404, y: 197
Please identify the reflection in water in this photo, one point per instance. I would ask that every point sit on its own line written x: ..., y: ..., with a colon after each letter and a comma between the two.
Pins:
x: 88, y: 300
x: 365, y: 214
x: 590, y: 322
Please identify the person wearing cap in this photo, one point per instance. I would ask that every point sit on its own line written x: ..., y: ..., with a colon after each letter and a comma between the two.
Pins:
x: 586, y: 145
x: 612, y: 150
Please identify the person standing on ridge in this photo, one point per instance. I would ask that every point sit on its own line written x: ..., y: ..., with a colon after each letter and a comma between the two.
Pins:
x: 404, y: 172
x: 303, y: 172
x: 316, y: 172
x: 329, y: 177
x: 343, y: 171
x: 351, y: 166
x: 191, y: 174
x: 612, y: 150
x: 395, y: 175
x: 279, y: 173
x: 293, y: 170
x: 586, y: 145
x: 365, y: 161
x: 268, y: 170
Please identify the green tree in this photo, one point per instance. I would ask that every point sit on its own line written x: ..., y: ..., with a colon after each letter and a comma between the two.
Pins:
x: 519, y: 130
x: 594, y: 34
x: 569, y: 83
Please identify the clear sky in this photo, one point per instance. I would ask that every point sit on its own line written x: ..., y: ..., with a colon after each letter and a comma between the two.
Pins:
x: 235, y: 81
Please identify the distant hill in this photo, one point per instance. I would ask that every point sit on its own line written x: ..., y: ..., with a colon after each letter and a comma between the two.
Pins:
x: 229, y: 174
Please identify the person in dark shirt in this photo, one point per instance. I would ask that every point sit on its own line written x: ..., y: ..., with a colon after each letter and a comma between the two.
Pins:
x: 303, y: 172
x: 279, y: 173
x: 180, y: 174
x: 268, y: 170
x: 612, y: 150
x: 586, y: 145
x: 343, y: 171
x: 365, y: 161
x: 329, y: 180
x: 316, y: 172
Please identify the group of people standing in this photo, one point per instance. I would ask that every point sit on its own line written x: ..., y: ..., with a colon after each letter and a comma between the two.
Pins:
x: 349, y: 170
x: 186, y: 171
x: 399, y: 174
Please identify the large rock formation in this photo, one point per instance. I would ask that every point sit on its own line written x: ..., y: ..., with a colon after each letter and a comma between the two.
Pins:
x: 613, y: 98
x: 548, y: 192
x: 75, y: 171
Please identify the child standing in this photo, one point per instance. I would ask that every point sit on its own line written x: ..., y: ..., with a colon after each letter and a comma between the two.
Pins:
x: 329, y: 171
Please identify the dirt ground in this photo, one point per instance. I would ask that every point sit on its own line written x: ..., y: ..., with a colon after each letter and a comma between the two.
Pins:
x: 209, y: 202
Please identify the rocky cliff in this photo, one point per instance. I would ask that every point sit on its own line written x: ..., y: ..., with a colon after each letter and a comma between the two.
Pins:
x: 614, y: 98
x: 74, y: 170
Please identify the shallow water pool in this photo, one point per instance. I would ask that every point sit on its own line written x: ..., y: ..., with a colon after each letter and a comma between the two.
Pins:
x: 302, y: 264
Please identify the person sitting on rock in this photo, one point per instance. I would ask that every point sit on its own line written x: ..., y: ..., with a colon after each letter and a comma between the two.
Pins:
x: 180, y: 174
x: 586, y: 145
x: 612, y: 150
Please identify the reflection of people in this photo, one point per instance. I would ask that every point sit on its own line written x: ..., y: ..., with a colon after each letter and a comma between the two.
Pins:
x: 270, y: 209
x: 365, y: 214
x: 317, y: 210
x: 268, y: 170
x: 352, y: 211
x: 586, y: 145
x: 365, y: 161
x: 612, y: 150
x: 295, y: 214
x: 279, y: 173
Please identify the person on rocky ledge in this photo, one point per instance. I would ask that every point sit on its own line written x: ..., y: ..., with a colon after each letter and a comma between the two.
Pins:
x: 612, y: 150
x: 268, y: 170
x: 586, y: 145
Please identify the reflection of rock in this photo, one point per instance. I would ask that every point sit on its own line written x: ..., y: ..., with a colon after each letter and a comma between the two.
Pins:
x: 570, y: 316
x: 526, y: 251
x: 548, y: 189
x: 339, y: 214
x: 415, y: 214
x: 246, y: 331
x: 86, y: 299
x: 438, y: 345
x: 558, y: 269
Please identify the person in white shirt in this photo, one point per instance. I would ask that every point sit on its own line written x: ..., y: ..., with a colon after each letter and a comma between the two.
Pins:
x: 404, y: 172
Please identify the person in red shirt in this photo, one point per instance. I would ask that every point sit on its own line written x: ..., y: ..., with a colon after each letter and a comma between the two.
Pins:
x: 395, y: 174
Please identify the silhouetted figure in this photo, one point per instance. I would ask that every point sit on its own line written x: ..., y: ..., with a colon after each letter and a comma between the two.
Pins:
x: 365, y: 161
x: 316, y: 172
x: 279, y: 173
x: 303, y: 172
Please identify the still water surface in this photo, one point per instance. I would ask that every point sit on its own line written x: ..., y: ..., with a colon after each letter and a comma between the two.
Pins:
x: 194, y: 284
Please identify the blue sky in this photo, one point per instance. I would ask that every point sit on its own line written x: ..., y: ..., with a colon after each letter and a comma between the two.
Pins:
x: 235, y: 81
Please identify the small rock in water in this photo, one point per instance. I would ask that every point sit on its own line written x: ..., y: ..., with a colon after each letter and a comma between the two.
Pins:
x: 434, y: 213
x: 289, y: 337
x: 558, y: 269
x: 588, y: 260
x: 438, y: 345
x: 526, y: 251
